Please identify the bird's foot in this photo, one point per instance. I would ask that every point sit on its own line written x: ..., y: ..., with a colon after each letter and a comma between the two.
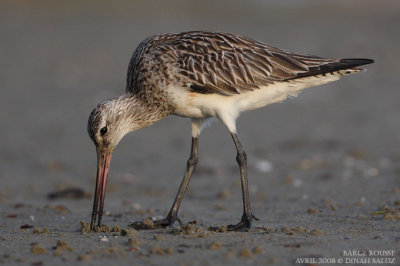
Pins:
x: 244, y: 224
x: 149, y: 224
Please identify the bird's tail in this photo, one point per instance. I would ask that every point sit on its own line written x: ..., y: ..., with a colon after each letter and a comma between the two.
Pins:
x: 342, y: 66
x: 346, y: 63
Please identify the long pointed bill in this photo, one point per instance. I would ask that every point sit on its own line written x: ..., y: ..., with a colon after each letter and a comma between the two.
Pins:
x: 103, y: 164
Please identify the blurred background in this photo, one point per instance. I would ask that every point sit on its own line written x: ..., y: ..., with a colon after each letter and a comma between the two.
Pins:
x: 58, y: 59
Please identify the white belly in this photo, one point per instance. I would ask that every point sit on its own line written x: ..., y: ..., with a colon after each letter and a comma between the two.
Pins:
x: 228, y: 108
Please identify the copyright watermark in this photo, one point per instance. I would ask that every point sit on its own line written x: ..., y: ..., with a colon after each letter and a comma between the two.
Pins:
x: 372, y: 256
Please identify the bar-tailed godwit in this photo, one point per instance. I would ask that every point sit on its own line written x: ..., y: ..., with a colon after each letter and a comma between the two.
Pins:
x: 202, y: 75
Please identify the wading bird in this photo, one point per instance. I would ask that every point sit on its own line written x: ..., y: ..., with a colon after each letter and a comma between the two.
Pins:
x: 202, y: 75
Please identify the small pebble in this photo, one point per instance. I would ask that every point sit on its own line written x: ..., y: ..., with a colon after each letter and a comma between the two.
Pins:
x: 133, y: 242
x: 390, y: 216
x: 43, y: 231
x: 299, y: 229
x: 371, y: 172
x: 313, y: 211
x: 149, y: 222
x: 62, y: 209
x: 245, y: 253
x: 297, y: 182
x: 230, y: 253
x: 26, y: 226
x: 158, y: 237
x: 215, y: 246
x: 223, y: 194
x: 273, y: 260
x: 36, y: 249
x: 104, y: 239
x: 116, y: 228
x: 84, y: 257
x: 316, y: 232
x: 161, y: 251
x: 258, y: 250
x: 103, y: 229
x: 264, y: 166
x: 136, y: 206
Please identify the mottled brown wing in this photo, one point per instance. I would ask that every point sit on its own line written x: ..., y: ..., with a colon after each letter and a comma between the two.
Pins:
x: 211, y: 62
x: 229, y: 64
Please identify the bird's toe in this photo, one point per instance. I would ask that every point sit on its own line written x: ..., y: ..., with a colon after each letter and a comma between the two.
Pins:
x: 149, y: 224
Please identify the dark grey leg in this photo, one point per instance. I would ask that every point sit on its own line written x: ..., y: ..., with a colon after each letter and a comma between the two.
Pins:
x: 173, y: 213
x: 241, y: 158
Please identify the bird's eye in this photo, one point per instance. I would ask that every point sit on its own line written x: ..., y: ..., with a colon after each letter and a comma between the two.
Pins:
x: 103, y: 130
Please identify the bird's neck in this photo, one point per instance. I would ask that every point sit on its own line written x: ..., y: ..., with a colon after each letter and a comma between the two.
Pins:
x: 139, y: 113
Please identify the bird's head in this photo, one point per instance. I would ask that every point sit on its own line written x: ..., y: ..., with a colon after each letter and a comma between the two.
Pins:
x: 108, y: 123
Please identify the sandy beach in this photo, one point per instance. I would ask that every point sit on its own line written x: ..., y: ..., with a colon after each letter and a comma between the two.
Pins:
x: 324, y: 168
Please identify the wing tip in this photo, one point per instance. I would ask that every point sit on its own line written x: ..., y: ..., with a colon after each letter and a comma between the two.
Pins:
x: 354, y: 62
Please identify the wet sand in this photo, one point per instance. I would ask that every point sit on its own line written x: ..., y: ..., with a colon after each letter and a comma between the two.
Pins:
x: 324, y: 168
